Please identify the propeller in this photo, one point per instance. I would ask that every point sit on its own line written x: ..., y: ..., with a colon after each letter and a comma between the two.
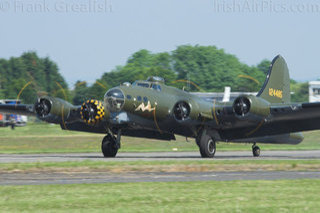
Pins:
x: 241, y: 106
x: 42, y: 107
x: 181, y: 111
x: 92, y: 111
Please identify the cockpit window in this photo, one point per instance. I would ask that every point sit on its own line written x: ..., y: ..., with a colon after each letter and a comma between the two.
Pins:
x: 114, y: 99
x: 143, y: 85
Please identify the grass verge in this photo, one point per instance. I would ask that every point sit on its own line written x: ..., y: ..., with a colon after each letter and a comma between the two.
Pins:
x: 210, y: 196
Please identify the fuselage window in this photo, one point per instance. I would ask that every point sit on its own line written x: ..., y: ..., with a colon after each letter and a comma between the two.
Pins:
x: 128, y: 97
x: 156, y: 87
x: 139, y: 98
x: 145, y: 99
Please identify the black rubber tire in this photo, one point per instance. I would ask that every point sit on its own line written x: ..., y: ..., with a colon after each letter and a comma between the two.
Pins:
x: 207, y: 146
x: 109, y: 147
x: 256, y: 151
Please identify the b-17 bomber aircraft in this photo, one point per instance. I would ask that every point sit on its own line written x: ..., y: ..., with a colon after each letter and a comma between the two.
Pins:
x: 151, y: 109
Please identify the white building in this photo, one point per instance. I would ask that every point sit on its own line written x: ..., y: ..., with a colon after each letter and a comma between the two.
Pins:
x: 6, y: 119
x: 314, y: 91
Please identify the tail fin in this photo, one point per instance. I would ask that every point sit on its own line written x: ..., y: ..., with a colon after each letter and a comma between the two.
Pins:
x: 276, y: 88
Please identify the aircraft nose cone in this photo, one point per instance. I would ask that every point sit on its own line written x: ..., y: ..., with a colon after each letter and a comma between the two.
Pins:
x: 114, y: 99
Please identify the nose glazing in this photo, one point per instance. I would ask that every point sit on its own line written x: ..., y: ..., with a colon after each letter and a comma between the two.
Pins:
x: 114, y: 99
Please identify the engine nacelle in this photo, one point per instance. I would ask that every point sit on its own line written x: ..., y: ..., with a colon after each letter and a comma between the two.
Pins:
x: 244, y: 106
x: 53, y: 110
x: 92, y: 111
x: 181, y: 111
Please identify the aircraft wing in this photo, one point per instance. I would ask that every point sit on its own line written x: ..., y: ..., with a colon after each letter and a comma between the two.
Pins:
x: 58, y: 111
x: 275, y: 119
x: 295, y: 117
x: 20, y: 109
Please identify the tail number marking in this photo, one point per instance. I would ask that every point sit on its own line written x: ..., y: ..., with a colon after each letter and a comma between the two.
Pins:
x: 275, y: 93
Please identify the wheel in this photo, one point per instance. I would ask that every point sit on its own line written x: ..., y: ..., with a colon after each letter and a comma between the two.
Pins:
x: 256, y: 151
x: 207, y: 146
x: 109, y: 147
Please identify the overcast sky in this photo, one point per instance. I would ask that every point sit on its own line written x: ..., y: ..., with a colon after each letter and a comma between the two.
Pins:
x: 89, y: 37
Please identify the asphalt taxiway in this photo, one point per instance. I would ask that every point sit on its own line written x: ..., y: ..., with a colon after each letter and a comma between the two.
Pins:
x: 154, y: 156
x: 105, y: 177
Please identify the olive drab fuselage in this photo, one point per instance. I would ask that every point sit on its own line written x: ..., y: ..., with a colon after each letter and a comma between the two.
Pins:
x: 153, y: 109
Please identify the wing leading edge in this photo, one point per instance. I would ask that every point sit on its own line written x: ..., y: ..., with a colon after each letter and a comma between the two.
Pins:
x: 20, y: 109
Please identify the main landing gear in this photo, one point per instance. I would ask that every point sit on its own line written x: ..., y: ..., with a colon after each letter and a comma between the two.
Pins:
x: 110, y: 145
x: 255, y: 150
x: 206, y: 144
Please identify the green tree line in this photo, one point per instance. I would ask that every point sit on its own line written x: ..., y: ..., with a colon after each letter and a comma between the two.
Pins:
x: 28, y: 76
x: 208, y: 67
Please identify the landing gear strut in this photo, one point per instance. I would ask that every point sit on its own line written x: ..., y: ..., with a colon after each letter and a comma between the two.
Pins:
x: 110, y: 145
x: 207, y: 145
x: 255, y: 150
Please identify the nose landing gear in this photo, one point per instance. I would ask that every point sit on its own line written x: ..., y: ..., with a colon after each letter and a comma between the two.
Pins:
x: 110, y: 145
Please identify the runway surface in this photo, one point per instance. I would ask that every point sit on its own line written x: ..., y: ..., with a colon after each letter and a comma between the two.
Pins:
x: 153, y: 156
x: 73, y: 178
x: 33, y: 178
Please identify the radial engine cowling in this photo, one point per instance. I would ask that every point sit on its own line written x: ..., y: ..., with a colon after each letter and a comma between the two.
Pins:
x: 92, y: 112
x: 253, y: 106
x: 53, y: 110
x: 181, y: 111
